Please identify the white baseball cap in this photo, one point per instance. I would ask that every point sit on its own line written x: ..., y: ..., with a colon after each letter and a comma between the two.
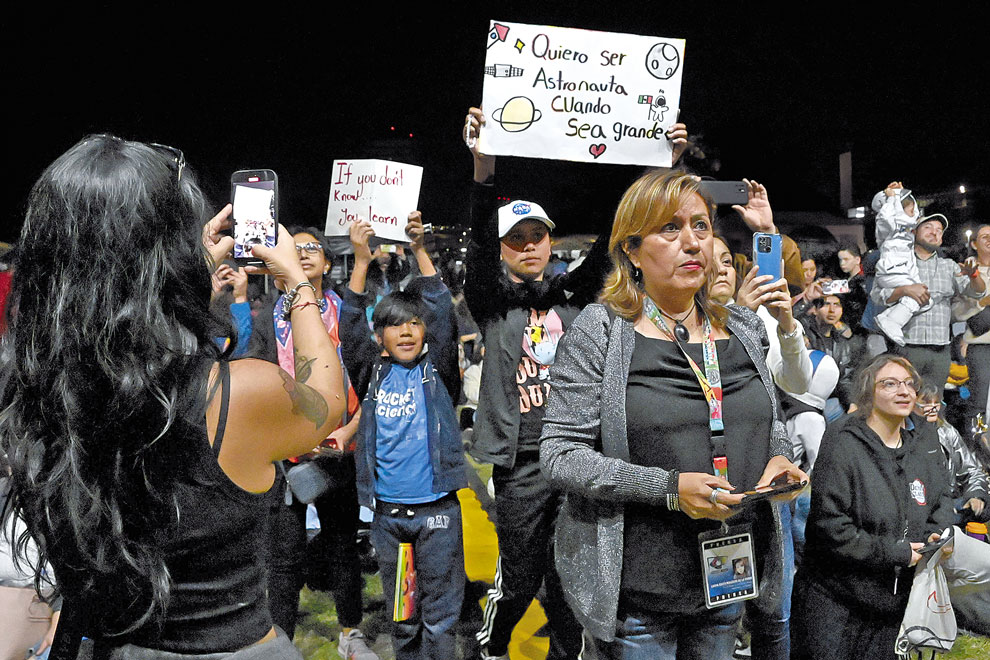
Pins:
x: 515, y: 212
x: 934, y: 216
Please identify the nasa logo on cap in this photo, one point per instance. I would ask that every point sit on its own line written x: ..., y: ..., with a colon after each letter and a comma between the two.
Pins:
x: 511, y: 214
x: 918, y: 491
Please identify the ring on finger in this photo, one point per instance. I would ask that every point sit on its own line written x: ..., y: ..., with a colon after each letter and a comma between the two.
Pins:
x: 713, y: 498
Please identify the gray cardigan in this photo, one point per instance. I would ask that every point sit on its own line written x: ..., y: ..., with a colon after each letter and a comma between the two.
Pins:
x: 585, y: 452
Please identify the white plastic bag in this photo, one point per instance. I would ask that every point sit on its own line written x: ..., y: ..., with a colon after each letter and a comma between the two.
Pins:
x: 929, y: 622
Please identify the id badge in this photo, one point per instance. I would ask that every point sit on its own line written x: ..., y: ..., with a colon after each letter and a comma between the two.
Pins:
x: 728, y: 565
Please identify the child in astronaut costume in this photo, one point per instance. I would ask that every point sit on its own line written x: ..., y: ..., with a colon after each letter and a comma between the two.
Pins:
x: 897, y: 216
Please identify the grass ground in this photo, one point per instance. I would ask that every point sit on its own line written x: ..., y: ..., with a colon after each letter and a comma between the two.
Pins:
x: 969, y: 648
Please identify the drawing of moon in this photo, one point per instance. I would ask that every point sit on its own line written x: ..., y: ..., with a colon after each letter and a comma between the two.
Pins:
x: 517, y: 114
x: 662, y: 61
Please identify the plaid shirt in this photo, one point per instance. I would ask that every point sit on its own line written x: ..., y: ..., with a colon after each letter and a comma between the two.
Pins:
x: 944, y: 281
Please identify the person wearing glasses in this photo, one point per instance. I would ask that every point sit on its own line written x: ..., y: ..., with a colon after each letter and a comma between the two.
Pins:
x: 880, y: 491
x: 332, y: 562
x: 968, y: 569
x: 141, y: 457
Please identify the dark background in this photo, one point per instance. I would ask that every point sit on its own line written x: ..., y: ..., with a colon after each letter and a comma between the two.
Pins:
x: 768, y: 95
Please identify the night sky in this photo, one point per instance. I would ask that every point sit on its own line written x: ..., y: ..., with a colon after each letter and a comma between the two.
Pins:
x: 262, y: 86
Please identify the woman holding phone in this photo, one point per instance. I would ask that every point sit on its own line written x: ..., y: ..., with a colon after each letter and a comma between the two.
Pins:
x: 140, y: 456
x: 646, y: 461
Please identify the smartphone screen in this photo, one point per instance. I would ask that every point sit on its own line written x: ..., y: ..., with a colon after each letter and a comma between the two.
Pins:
x: 835, y: 287
x: 254, y: 201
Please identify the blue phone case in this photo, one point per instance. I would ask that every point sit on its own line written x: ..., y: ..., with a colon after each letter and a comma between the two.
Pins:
x: 767, y: 253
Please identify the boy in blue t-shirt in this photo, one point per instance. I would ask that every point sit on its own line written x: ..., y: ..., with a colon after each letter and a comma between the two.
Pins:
x: 409, y: 458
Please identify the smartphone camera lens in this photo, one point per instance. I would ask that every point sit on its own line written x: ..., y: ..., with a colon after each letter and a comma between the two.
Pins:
x: 763, y: 244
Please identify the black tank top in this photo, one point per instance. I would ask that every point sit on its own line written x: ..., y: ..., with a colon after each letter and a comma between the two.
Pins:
x: 218, y: 600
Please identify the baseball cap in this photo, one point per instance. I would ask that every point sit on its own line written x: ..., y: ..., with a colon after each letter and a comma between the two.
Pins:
x: 934, y: 216
x: 513, y: 213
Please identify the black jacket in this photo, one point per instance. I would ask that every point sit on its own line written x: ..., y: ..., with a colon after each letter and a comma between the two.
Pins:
x: 868, y: 503
x: 501, y: 310
x: 848, y: 352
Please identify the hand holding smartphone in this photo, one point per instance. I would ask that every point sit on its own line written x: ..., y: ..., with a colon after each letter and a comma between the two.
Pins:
x: 254, y: 196
x: 778, y: 486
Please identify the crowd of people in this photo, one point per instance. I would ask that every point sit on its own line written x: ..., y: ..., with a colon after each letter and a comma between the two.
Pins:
x: 636, y: 407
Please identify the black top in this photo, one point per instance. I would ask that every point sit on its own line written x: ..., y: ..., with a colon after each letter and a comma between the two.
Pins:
x: 660, y: 556
x: 212, y: 552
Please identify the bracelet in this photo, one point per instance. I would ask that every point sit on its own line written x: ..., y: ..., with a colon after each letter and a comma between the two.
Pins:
x: 673, y: 503
x: 302, y: 305
x: 293, y: 293
x: 793, y: 333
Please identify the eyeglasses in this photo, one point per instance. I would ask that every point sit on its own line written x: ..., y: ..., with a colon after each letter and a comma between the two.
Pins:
x: 891, y: 385
x: 929, y: 408
x: 310, y: 248
x: 176, y: 158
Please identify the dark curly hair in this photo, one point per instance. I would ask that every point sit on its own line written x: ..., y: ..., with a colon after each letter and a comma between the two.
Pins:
x: 106, y: 362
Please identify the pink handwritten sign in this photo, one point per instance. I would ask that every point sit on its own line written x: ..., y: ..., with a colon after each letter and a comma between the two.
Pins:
x: 379, y: 191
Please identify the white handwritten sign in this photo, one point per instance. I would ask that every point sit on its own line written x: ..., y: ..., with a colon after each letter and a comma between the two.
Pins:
x: 580, y: 95
x: 379, y: 191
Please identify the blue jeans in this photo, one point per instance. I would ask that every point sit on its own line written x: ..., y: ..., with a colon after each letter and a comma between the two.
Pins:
x: 802, y: 507
x: 435, y: 531
x: 770, y: 633
x: 708, y: 635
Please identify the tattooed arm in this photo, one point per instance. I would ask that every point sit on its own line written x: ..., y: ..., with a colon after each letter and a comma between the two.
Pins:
x: 273, y: 415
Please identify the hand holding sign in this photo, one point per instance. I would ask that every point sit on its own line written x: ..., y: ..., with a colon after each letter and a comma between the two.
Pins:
x: 360, y: 233
x: 484, y: 165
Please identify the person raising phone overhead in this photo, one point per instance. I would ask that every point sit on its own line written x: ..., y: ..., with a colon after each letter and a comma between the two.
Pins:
x: 140, y: 456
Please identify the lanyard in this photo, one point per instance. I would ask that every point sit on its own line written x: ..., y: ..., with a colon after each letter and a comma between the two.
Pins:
x: 710, y: 381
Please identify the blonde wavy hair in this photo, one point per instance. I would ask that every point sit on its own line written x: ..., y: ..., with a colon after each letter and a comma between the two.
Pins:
x: 647, y: 205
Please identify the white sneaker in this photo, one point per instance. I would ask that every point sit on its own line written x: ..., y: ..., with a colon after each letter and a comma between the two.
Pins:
x: 353, y: 646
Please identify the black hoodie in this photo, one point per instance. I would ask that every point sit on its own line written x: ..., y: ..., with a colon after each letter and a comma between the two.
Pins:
x: 868, y: 503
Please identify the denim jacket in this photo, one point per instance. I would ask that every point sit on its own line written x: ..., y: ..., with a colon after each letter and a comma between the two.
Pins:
x: 438, y: 365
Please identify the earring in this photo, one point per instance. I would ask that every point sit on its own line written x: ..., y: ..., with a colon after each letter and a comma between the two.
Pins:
x: 637, y: 275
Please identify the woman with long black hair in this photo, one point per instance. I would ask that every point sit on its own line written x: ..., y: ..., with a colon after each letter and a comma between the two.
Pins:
x: 140, y: 457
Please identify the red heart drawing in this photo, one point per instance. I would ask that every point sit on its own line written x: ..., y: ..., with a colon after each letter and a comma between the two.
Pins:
x: 597, y: 150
